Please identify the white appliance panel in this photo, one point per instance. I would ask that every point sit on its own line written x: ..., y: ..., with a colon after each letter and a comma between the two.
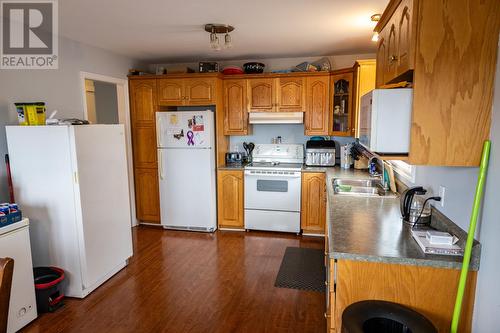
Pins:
x: 187, y: 188
x: 43, y: 178
x: 385, y: 120
x: 186, y: 129
x: 48, y: 179
x: 106, y: 238
x: 272, y: 192
x: 272, y: 220
x: 15, y: 244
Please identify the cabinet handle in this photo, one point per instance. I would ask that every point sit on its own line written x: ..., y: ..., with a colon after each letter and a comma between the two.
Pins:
x: 393, y: 58
x: 327, y: 315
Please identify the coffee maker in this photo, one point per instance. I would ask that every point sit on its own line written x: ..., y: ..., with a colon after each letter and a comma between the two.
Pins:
x: 414, y: 208
x: 409, y: 209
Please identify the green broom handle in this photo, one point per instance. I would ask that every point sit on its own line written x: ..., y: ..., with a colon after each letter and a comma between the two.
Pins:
x: 483, y: 168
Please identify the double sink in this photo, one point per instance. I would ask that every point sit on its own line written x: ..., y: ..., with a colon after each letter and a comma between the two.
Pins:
x: 361, y: 188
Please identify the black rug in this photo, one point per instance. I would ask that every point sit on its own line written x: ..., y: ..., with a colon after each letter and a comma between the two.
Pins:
x: 302, y: 268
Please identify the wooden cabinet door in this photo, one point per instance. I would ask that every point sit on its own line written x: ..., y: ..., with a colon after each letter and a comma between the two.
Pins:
x: 261, y: 95
x: 405, y: 52
x: 392, y: 51
x: 291, y: 94
x: 144, y: 146
x: 313, y: 212
x: 200, y: 91
x: 147, y: 195
x: 235, y: 107
x: 317, y: 105
x: 230, y: 198
x: 171, y: 92
x: 343, y: 94
x: 143, y: 101
x: 382, y: 56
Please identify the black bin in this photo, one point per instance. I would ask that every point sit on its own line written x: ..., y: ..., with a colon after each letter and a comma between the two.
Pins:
x: 384, y: 317
x: 48, y: 288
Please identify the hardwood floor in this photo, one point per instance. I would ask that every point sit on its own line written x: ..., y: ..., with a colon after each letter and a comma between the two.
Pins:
x: 194, y: 282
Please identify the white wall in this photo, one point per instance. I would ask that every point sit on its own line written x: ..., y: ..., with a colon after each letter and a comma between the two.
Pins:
x: 337, y: 61
x: 60, y: 89
x: 487, y: 309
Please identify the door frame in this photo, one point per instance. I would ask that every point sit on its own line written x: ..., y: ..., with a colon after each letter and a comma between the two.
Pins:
x: 123, y: 118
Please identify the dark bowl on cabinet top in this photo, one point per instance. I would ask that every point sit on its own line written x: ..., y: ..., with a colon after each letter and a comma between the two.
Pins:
x: 254, y: 67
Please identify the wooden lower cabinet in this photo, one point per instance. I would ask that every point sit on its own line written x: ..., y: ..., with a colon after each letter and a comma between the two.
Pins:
x: 313, y: 211
x: 147, y: 196
x: 230, y: 199
x: 430, y: 291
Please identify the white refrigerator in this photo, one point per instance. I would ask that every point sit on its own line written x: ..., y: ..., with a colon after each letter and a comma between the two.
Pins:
x: 186, y: 167
x: 72, y: 183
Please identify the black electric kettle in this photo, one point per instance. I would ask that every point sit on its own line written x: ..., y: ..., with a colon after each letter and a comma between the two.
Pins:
x: 407, y: 199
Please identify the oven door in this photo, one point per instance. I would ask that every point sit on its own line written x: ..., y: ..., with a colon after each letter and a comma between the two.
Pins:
x: 272, y: 190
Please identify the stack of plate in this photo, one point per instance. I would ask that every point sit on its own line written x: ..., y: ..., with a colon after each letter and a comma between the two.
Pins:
x: 232, y: 70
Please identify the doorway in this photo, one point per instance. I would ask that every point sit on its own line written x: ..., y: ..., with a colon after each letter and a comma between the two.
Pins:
x: 106, y: 101
x: 102, y: 102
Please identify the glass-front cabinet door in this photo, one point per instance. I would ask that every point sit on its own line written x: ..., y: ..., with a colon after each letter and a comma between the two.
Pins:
x: 342, y: 98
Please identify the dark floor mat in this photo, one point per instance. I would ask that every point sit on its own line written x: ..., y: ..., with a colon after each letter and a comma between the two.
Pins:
x: 302, y: 268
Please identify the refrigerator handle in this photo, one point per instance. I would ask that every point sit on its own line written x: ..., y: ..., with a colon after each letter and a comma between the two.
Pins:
x: 159, y: 132
x: 160, y: 163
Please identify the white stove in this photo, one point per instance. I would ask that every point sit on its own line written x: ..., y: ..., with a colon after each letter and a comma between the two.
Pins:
x: 273, y: 188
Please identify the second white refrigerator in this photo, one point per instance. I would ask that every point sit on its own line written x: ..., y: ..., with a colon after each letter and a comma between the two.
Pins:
x: 186, y: 167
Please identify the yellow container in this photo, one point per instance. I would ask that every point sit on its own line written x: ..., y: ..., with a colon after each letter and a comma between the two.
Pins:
x: 31, y: 114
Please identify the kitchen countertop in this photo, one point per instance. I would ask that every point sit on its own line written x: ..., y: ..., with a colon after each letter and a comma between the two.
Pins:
x: 370, y: 229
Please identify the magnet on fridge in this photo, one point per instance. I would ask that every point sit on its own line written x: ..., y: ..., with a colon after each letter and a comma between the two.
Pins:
x: 174, y: 120
x: 190, y: 137
x: 198, y: 123
x: 179, y: 135
x: 199, y: 139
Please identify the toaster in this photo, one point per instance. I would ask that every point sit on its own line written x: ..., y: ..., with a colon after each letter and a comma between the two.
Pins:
x: 234, y: 158
x: 320, y: 153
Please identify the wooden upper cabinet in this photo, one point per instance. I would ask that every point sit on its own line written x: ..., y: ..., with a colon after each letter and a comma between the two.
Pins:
x: 317, y: 102
x: 343, y: 93
x: 448, y: 50
x: 291, y: 94
x: 186, y: 91
x: 397, y: 38
x: 230, y: 198
x: 147, y: 195
x: 261, y: 95
x: 235, y: 107
x: 143, y: 100
x: 382, y: 56
x: 392, y: 55
x: 313, y: 212
x: 405, y: 36
x: 454, y: 80
x: 170, y: 91
x: 200, y: 91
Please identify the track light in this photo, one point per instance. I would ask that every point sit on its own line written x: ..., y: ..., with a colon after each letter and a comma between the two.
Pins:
x: 214, y: 30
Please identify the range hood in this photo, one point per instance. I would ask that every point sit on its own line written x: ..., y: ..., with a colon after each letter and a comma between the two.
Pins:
x: 276, y: 117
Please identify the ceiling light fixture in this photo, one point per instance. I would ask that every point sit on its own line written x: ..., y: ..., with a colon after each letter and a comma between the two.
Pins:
x: 215, y: 29
x: 375, y: 18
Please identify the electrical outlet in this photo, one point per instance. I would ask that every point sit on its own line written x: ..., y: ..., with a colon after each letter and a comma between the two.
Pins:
x: 442, y: 191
